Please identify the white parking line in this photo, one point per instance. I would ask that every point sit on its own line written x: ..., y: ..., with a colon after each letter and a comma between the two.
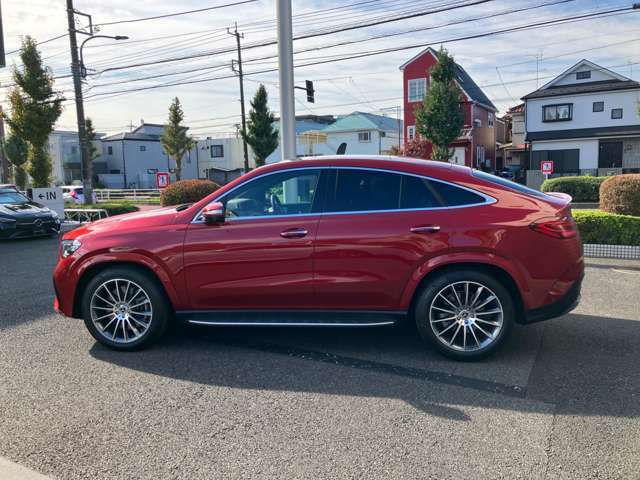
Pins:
x: 13, y: 471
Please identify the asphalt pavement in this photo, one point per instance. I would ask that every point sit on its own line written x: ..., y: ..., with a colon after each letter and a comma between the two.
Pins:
x: 560, y: 401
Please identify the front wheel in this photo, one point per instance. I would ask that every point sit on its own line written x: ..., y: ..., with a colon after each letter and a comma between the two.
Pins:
x: 465, y: 314
x: 125, y: 309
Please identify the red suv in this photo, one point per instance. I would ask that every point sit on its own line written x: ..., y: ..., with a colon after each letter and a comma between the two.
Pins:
x: 332, y: 241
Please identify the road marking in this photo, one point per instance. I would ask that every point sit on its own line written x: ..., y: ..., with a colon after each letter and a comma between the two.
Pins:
x: 13, y: 471
x: 628, y: 272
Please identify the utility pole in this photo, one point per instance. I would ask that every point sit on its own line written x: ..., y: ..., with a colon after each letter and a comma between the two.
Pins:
x: 85, y: 166
x: 285, y: 77
x: 238, y: 36
x: 4, y: 161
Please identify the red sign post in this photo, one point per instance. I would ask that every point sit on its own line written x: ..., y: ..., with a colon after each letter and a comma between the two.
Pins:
x: 547, y: 167
x: 162, y: 180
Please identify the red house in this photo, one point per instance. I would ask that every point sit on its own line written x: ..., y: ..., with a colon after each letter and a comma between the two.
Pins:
x: 476, y: 145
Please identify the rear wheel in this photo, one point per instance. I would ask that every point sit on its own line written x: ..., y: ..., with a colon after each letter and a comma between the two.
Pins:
x: 466, y: 314
x: 125, y: 309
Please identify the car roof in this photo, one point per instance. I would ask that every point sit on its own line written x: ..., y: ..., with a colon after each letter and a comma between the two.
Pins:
x: 8, y: 185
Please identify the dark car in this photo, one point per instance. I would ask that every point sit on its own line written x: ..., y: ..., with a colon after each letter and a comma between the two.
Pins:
x: 20, y: 217
x: 332, y: 241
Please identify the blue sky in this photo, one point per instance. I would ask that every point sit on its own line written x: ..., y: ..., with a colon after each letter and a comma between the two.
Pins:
x: 505, y: 65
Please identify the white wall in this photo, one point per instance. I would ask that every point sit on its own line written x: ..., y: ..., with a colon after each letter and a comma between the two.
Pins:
x: 233, y: 151
x: 588, y: 150
x: 583, y: 114
x: 596, y: 76
x: 377, y: 146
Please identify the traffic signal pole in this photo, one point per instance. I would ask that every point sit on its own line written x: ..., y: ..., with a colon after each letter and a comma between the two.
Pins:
x: 285, y: 77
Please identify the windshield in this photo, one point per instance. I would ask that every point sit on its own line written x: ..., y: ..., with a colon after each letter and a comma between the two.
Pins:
x: 11, y: 196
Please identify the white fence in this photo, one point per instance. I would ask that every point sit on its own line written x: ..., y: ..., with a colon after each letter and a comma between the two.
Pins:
x: 133, y: 195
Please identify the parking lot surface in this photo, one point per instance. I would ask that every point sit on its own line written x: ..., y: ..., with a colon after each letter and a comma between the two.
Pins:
x: 560, y: 401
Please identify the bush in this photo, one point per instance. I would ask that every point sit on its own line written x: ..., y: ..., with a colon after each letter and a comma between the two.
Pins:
x: 581, y: 189
x: 112, y: 208
x: 600, y: 227
x: 621, y: 194
x: 187, y: 191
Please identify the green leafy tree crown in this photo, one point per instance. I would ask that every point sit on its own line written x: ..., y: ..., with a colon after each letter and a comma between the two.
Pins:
x: 261, y: 134
x: 439, y: 119
x: 175, y: 140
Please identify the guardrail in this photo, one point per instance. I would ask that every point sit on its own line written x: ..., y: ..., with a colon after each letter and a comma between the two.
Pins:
x: 84, y: 215
x: 131, y: 194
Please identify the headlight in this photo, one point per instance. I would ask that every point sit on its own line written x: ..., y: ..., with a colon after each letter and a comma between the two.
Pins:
x: 67, y: 247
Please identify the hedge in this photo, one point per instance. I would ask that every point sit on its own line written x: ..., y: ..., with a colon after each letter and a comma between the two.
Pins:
x: 581, y: 189
x: 621, y: 194
x: 113, y: 208
x: 187, y: 191
x: 600, y: 227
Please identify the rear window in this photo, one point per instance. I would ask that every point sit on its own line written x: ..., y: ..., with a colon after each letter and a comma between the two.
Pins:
x: 417, y: 192
x: 503, y: 182
x: 453, y: 196
x: 365, y: 190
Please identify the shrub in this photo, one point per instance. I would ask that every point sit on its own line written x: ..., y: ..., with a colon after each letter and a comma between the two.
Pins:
x: 112, y: 208
x: 581, y: 189
x: 600, y: 227
x: 187, y: 191
x: 621, y: 194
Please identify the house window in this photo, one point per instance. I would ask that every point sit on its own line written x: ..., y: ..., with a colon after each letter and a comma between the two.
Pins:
x: 561, y: 112
x: 110, y: 150
x: 583, y: 75
x: 217, y: 151
x: 477, y: 122
x: 411, y: 132
x: 74, y: 150
x: 616, y: 113
x: 364, y: 137
x: 417, y: 89
x: 598, y: 106
x: 143, y: 148
x: 490, y: 120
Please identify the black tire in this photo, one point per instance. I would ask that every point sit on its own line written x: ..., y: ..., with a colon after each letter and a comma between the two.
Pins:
x: 458, y: 278
x: 160, y: 307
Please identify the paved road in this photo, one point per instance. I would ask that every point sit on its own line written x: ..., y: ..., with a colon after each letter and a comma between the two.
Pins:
x: 561, y: 401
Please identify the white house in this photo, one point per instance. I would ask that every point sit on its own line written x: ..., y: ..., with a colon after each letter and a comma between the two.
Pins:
x: 64, y: 150
x: 134, y: 158
x: 304, y: 123
x: 221, y: 159
x: 586, y: 120
x: 362, y: 133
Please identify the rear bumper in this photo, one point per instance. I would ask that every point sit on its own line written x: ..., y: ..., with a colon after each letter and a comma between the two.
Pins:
x: 564, y: 305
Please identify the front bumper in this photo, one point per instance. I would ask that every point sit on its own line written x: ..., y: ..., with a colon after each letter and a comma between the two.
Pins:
x: 564, y: 305
x: 29, y: 229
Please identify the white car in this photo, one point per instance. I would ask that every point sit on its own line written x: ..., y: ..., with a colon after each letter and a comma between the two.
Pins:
x: 75, y: 194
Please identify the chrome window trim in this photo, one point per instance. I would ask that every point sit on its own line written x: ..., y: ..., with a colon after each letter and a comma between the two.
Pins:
x: 488, y: 199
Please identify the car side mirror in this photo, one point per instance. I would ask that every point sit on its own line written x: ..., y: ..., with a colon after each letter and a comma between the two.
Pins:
x: 213, y: 214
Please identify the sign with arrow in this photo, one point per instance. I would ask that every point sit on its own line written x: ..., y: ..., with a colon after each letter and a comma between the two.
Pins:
x: 49, y: 197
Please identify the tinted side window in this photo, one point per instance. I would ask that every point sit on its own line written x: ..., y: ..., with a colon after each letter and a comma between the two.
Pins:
x: 365, y: 190
x: 286, y: 193
x: 417, y: 193
x: 453, y: 196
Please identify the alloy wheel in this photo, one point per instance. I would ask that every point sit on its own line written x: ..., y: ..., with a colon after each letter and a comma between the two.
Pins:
x: 121, y: 310
x: 466, y: 316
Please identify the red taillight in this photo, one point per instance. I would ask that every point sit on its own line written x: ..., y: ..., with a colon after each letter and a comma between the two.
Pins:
x: 557, y: 227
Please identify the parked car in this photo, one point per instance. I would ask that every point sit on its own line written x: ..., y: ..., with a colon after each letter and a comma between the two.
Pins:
x: 20, y: 217
x: 332, y: 241
x: 511, y: 172
x: 75, y: 194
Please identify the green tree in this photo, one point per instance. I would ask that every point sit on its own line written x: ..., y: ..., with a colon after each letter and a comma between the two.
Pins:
x: 261, y: 135
x: 16, y: 149
x: 439, y: 119
x: 35, y: 108
x: 175, y: 141
x: 92, y: 152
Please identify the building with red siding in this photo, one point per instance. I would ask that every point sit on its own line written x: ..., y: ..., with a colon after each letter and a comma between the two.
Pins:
x: 476, y: 145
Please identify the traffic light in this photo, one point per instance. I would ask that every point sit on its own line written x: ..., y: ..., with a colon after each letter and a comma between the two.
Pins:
x: 310, y: 92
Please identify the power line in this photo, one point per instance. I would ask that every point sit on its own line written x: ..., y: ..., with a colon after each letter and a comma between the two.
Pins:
x: 186, y: 12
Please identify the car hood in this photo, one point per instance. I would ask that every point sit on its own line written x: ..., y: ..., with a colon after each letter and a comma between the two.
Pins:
x: 20, y: 210
x: 128, y: 222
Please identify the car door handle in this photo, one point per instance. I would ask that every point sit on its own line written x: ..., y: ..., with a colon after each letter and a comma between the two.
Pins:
x: 426, y: 229
x: 294, y: 233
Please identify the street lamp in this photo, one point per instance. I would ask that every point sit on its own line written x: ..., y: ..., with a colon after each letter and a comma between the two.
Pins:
x: 83, y: 70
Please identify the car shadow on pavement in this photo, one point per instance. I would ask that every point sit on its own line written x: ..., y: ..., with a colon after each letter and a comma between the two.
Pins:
x: 581, y: 365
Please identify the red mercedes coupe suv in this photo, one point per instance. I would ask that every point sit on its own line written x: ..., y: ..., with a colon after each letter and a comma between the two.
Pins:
x: 332, y: 241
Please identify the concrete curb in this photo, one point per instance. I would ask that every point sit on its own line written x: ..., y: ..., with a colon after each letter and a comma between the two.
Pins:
x: 13, y: 471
